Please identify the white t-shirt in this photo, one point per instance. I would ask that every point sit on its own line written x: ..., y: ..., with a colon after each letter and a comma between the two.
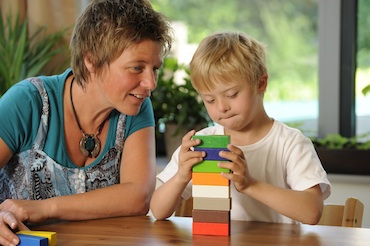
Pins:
x: 284, y: 158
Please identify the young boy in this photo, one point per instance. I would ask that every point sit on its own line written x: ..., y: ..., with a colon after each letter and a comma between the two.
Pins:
x: 276, y: 175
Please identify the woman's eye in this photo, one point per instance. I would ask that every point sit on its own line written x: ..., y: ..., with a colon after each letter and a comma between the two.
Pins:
x: 137, y: 68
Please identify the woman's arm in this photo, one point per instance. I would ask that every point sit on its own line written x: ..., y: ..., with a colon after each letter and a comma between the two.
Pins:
x: 130, y: 197
x: 5, y: 153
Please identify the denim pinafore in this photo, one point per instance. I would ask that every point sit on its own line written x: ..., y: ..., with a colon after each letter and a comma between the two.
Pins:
x: 32, y: 175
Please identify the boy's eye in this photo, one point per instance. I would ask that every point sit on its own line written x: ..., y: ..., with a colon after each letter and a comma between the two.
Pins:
x: 233, y: 95
x: 209, y: 101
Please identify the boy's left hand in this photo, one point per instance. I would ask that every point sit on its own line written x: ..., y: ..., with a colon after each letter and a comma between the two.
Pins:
x: 238, y: 166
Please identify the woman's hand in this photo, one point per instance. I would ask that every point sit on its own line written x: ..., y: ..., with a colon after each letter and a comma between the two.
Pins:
x: 8, y: 223
x: 27, y: 210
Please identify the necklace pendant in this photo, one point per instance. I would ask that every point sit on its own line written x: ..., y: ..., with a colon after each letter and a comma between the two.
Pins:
x: 90, y: 145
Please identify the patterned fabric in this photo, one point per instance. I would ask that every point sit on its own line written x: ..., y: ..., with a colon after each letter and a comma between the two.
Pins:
x: 32, y: 175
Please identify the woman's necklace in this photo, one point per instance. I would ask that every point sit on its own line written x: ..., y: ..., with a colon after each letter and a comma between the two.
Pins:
x: 89, y: 143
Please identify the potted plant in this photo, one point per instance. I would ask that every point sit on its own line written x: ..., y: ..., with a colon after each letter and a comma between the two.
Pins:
x: 366, y: 89
x: 343, y: 155
x: 177, y: 106
x: 22, y: 56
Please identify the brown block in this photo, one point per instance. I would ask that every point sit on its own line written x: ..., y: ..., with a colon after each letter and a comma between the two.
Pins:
x: 211, y: 216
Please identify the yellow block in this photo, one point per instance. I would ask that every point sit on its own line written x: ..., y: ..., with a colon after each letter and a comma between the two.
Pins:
x: 209, y: 179
x: 51, y: 236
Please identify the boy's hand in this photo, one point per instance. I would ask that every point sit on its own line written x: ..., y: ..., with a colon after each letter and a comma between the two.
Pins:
x: 238, y: 166
x: 187, y: 157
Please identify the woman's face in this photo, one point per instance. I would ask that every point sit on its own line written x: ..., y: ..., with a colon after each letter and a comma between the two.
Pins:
x: 127, y: 81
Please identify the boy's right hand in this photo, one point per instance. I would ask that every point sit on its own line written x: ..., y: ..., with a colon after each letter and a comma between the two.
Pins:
x: 187, y: 157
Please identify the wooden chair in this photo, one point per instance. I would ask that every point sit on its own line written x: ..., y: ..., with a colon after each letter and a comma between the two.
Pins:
x: 348, y: 215
x: 185, y: 209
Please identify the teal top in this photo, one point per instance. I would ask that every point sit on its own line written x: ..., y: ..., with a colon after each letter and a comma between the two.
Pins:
x: 20, y: 114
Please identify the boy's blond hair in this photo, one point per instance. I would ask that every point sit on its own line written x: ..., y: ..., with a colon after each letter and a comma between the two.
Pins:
x: 227, y: 57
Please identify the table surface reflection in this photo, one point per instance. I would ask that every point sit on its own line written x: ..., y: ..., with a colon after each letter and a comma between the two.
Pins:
x: 145, y: 230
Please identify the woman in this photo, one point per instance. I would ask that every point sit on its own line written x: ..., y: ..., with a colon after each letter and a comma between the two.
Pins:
x: 80, y: 145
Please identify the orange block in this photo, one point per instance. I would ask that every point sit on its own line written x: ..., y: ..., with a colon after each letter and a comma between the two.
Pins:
x: 214, y: 229
x: 209, y: 179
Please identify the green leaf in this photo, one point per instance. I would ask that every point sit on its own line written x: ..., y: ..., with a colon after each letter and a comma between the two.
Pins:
x: 22, y: 56
x: 366, y: 90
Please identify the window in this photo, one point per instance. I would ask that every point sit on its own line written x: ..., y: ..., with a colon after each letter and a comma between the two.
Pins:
x: 363, y: 68
x: 288, y: 28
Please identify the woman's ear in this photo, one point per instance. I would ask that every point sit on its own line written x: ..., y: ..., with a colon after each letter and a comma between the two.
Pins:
x: 262, y: 83
x: 88, y: 63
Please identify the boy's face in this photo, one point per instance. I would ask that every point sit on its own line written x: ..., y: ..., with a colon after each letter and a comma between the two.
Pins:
x: 234, y: 105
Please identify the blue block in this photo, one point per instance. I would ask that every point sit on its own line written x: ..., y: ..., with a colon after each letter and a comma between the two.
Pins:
x: 212, y: 153
x: 28, y: 240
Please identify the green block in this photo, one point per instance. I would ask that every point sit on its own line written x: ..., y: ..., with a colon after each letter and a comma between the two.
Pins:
x: 212, y: 141
x: 209, y: 166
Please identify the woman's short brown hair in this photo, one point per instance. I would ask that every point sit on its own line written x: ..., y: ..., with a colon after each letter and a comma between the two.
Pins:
x: 107, y: 27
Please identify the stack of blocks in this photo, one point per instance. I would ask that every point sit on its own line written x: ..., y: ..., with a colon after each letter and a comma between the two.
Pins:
x: 37, y: 238
x: 211, y: 191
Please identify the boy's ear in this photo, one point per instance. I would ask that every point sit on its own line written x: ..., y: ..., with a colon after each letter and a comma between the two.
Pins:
x: 262, y: 83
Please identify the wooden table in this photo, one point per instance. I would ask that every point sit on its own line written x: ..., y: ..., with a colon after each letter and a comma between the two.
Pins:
x: 145, y: 230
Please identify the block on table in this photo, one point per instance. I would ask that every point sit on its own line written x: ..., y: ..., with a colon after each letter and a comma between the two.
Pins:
x: 212, y: 141
x: 51, y: 236
x: 211, y: 216
x: 208, y: 166
x: 29, y: 240
x: 213, y: 229
x: 215, y: 191
x: 209, y: 179
x: 212, y: 153
x: 211, y: 203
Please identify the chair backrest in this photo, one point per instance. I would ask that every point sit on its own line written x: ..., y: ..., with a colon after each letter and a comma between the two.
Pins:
x: 185, y: 209
x: 349, y: 215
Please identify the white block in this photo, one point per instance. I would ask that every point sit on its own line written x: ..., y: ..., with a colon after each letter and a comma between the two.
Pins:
x: 215, y: 191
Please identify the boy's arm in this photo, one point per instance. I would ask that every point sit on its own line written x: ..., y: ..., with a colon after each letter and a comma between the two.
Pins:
x: 304, y: 206
x: 167, y: 197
